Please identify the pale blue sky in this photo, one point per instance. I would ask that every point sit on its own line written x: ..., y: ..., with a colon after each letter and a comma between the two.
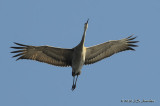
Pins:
x: 59, y: 23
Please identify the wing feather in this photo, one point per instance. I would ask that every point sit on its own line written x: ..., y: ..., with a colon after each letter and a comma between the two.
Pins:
x: 101, y: 51
x: 47, y: 54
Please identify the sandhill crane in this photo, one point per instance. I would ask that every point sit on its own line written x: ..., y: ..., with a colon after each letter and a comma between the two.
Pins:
x: 75, y: 57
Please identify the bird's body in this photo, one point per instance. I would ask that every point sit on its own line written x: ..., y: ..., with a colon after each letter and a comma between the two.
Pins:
x: 78, y: 60
x: 79, y: 54
x: 76, y: 57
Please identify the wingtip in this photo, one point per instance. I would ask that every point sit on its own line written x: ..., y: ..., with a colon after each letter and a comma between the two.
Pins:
x: 129, y: 48
x: 130, y: 36
x: 19, y: 44
x: 133, y: 41
x: 132, y: 45
x: 17, y: 51
x: 17, y: 47
x: 17, y: 59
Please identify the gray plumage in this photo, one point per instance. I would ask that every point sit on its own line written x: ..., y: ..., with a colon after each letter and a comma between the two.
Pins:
x: 75, y: 57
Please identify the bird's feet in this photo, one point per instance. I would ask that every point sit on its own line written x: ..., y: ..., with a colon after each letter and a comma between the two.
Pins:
x: 73, y: 87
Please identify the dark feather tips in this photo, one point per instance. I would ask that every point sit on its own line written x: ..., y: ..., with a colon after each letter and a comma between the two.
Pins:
x: 20, y: 52
x: 130, y: 42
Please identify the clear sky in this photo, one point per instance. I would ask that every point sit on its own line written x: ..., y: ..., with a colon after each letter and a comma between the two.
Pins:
x: 129, y: 75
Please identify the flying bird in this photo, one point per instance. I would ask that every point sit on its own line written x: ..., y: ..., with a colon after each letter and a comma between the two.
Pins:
x: 75, y: 57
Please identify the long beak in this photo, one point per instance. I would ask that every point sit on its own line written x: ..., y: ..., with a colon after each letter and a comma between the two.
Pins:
x: 86, y: 24
x: 87, y: 21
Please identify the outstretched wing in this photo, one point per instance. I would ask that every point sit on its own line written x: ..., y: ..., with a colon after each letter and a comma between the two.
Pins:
x: 51, y: 55
x: 101, y: 51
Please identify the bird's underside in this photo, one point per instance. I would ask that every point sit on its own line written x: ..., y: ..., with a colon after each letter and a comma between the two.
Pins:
x: 64, y: 57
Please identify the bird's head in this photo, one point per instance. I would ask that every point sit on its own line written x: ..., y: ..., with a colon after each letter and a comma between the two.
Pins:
x: 86, y: 25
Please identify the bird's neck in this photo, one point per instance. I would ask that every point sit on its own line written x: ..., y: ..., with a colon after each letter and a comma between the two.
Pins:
x: 81, y: 44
